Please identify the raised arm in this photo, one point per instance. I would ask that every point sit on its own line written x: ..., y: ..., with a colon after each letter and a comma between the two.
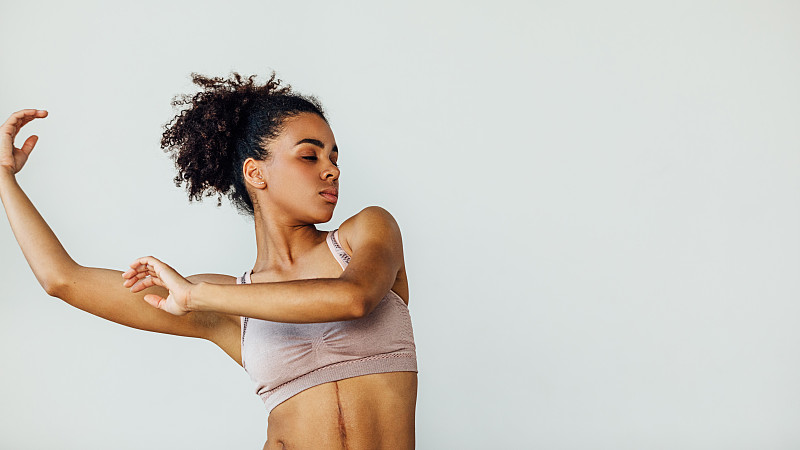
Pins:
x: 40, y: 246
x: 94, y: 290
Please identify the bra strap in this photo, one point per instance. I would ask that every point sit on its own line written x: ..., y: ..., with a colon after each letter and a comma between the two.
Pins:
x: 337, y: 250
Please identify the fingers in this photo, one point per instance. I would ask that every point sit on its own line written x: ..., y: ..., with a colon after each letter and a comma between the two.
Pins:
x: 134, y: 276
x: 20, y: 118
x: 139, y: 273
x: 141, y: 268
x: 155, y: 300
x: 145, y: 261
x: 146, y: 272
x: 148, y: 265
x: 27, y: 147
x: 143, y: 274
x: 144, y: 283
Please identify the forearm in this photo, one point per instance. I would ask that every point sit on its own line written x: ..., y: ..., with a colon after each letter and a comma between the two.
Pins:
x: 297, y: 301
x: 44, y: 253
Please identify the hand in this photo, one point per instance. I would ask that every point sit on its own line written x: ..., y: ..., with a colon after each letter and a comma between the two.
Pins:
x: 148, y: 271
x: 12, y: 158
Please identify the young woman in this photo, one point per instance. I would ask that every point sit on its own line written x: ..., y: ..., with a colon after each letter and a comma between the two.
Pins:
x: 320, y: 323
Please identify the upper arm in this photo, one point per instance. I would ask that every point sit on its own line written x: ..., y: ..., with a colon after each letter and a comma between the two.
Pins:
x: 377, y: 254
x: 100, y: 292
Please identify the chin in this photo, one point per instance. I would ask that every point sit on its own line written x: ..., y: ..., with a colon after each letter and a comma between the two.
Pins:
x: 324, y: 217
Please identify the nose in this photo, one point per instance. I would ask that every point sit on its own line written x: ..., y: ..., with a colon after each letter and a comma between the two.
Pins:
x: 331, y: 172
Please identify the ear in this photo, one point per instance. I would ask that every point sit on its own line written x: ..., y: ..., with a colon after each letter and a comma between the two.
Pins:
x: 254, y: 174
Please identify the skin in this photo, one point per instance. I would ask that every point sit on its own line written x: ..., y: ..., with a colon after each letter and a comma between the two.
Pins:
x: 293, y: 261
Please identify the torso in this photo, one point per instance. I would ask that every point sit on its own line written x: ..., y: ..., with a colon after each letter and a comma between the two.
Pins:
x: 374, y: 411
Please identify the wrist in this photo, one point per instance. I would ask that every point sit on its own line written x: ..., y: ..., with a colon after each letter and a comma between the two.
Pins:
x: 7, y: 172
x: 193, y: 302
x: 7, y: 179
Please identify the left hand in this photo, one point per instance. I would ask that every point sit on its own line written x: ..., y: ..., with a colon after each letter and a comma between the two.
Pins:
x: 12, y: 158
x: 148, y: 271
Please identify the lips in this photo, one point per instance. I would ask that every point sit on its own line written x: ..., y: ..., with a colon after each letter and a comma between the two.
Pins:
x: 330, y: 194
x: 332, y: 191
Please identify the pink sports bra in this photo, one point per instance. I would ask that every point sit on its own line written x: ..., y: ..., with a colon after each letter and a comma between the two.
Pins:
x: 284, y: 359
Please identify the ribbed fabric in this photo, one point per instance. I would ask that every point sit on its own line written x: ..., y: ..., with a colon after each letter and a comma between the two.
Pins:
x: 284, y: 359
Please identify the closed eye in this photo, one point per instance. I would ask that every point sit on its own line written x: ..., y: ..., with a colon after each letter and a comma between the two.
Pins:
x: 314, y: 158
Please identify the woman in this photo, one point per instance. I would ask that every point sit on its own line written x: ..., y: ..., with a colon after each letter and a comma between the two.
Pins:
x: 320, y: 323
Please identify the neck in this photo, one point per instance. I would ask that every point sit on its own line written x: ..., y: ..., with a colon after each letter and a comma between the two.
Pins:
x: 280, y: 245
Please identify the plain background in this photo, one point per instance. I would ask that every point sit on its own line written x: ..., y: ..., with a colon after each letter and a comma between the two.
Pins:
x: 599, y: 203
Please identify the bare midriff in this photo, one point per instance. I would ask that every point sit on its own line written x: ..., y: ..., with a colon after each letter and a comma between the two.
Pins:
x: 368, y: 412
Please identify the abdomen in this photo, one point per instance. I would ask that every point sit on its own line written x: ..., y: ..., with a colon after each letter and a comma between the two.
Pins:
x: 368, y: 412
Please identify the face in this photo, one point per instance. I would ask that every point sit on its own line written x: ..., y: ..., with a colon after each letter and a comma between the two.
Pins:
x: 303, y: 165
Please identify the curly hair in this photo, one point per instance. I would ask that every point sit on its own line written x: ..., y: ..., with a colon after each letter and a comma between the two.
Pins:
x: 227, y: 122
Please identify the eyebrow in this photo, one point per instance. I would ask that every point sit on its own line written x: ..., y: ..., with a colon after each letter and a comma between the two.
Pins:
x: 316, y: 142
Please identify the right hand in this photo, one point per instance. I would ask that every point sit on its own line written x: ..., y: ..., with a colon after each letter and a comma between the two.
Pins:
x: 12, y: 158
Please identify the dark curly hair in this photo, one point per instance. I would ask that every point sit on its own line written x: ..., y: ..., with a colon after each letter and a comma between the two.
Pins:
x: 227, y: 122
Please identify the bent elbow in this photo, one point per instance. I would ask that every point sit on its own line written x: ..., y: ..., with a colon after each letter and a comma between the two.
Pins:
x: 357, y: 310
x: 361, y: 299
x: 59, y: 281
x: 363, y: 306
x: 358, y: 306
x: 56, y: 283
x: 53, y: 288
x: 357, y: 302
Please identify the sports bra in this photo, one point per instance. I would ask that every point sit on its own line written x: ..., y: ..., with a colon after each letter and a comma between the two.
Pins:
x: 284, y: 359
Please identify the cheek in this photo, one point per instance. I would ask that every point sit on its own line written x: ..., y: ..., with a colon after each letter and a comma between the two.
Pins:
x: 293, y: 182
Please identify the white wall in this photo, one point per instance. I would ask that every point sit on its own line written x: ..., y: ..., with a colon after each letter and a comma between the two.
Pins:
x: 599, y: 203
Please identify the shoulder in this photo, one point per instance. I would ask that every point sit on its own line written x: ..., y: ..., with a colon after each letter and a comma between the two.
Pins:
x: 371, y: 224
x: 371, y: 216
